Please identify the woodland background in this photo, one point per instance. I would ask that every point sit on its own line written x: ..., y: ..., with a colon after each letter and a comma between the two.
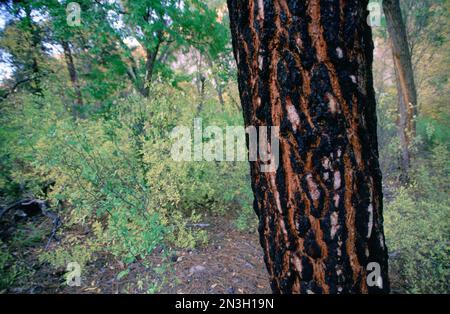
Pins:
x: 85, y: 117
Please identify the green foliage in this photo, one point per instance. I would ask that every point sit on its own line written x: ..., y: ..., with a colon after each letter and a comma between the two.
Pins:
x: 247, y: 220
x: 116, y: 176
x: 27, y: 236
x: 417, y: 222
x: 10, y: 272
x: 81, y: 253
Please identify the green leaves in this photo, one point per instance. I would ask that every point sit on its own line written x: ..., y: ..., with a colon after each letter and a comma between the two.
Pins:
x: 123, y: 274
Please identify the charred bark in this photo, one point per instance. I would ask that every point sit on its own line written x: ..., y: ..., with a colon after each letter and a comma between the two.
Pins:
x: 406, y: 88
x: 306, y: 66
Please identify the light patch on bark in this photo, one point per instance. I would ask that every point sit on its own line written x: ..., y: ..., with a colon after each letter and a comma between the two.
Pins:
x: 339, y: 250
x: 276, y: 194
x: 297, y: 264
x: 293, y: 117
x: 334, y: 224
x: 260, y: 62
x: 313, y: 188
x: 326, y: 163
x: 370, y: 225
x: 299, y: 42
x: 332, y: 103
x: 336, y: 200
x: 261, y: 10
x: 337, y: 180
x: 280, y: 210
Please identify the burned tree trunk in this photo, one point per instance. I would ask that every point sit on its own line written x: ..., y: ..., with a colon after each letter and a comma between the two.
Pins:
x: 406, y: 88
x: 306, y: 66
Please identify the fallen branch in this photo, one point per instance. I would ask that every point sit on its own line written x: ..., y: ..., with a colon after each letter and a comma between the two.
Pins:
x: 56, y: 220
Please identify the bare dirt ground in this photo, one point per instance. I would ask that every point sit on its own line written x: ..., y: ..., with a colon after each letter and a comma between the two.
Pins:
x: 231, y: 263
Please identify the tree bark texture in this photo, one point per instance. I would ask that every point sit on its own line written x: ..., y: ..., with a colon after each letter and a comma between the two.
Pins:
x: 306, y: 66
x: 406, y: 88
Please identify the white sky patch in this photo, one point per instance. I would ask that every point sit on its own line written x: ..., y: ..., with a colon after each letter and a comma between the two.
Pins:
x: 131, y: 42
x: 2, y: 22
x: 5, y: 72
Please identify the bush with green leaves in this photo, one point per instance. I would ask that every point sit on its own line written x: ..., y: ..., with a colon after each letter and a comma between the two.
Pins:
x: 417, y: 222
x: 10, y: 271
x: 115, y: 170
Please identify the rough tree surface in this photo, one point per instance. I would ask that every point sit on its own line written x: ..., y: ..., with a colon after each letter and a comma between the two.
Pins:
x: 306, y: 66
x: 406, y: 88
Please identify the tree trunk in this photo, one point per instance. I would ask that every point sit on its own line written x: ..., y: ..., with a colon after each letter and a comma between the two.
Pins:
x: 149, y: 65
x: 72, y: 73
x: 34, y: 52
x: 306, y: 66
x: 406, y: 88
x: 216, y: 81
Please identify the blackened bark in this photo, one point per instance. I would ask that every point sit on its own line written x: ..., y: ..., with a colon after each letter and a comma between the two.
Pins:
x: 406, y: 88
x: 306, y: 66
x: 72, y: 72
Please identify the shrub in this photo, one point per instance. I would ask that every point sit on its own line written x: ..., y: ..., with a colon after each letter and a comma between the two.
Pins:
x: 417, y: 227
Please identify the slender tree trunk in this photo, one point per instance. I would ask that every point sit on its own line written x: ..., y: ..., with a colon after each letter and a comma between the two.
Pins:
x: 216, y: 81
x: 34, y: 52
x: 406, y: 88
x: 72, y: 73
x: 149, y: 66
x: 306, y: 66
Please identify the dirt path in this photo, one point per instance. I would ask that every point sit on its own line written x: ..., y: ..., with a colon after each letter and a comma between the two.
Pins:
x: 231, y: 263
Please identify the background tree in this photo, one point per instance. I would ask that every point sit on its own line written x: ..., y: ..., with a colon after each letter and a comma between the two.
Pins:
x: 22, y: 40
x: 406, y: 88
x: 306, y: 67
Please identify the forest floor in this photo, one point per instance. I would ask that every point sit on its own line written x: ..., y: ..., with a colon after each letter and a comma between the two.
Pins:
x: 231, y: 263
